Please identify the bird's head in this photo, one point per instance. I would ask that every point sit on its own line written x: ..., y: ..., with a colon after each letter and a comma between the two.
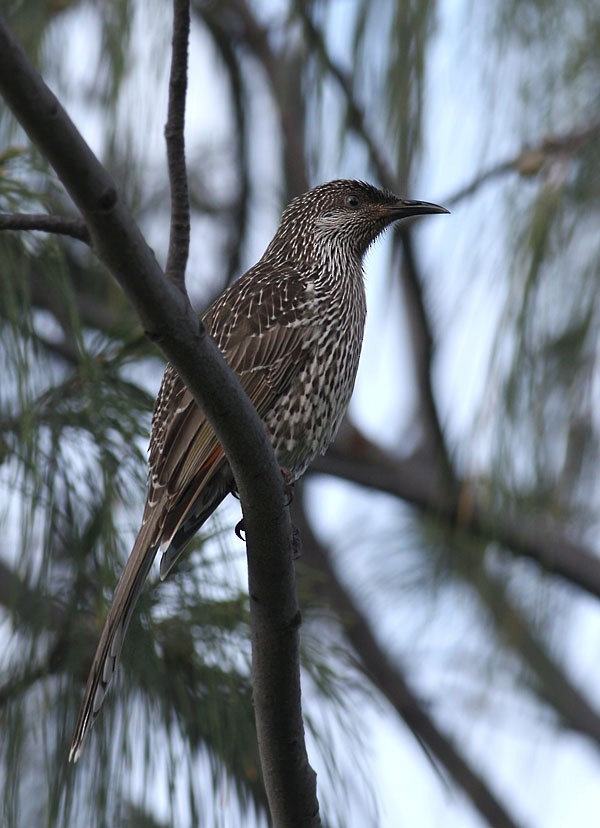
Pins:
x: 347, y: 214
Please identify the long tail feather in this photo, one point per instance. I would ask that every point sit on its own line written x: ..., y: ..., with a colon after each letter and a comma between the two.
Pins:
x: 187, y: 530
x: 193, y: 507
x: 103, y: 667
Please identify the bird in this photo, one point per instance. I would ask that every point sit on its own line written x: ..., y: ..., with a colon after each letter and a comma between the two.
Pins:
x: 291, y: 329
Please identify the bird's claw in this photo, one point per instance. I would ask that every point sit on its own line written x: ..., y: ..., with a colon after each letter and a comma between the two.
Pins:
x: 296, y: 543
x: 240, y: 530
x: 288, y: 485
x: 288, y: 489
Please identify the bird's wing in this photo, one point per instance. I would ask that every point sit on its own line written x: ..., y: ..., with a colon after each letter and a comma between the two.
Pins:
x: 266, y: 351
x: 266, y: 347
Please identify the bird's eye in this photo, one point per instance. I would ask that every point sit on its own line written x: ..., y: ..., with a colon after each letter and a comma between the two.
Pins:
x: 352, y: 201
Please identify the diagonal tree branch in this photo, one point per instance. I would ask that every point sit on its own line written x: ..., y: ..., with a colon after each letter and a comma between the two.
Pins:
x: 414, y: 481
x: 392, y: 684
x: 551, y: 682
x: 168, y: 319
x: 530, y: 160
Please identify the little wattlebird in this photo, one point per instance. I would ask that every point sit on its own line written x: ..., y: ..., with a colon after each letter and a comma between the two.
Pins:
x: 291, y: 329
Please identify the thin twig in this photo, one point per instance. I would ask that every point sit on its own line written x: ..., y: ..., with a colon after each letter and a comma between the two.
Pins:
x: 528, y: 161
x: 240, y: 209
x: 283, y: 75
x: 423, y: 345
x: 357, y: 120
x: 60, y: 225
x: 179, y: 238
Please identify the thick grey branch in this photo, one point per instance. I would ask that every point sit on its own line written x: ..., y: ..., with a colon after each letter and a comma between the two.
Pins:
x: 168, y: 318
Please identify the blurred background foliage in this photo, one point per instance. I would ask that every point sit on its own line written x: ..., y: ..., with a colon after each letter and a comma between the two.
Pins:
x: 450, y: 570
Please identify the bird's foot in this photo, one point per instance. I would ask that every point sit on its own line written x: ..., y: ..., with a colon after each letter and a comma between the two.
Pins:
x: 288, y: 484
x: 240, y: 530
x: 296, y: 543
x: 288, y: 490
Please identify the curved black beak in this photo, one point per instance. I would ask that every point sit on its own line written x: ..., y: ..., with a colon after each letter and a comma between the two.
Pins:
x: 404, y: 208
